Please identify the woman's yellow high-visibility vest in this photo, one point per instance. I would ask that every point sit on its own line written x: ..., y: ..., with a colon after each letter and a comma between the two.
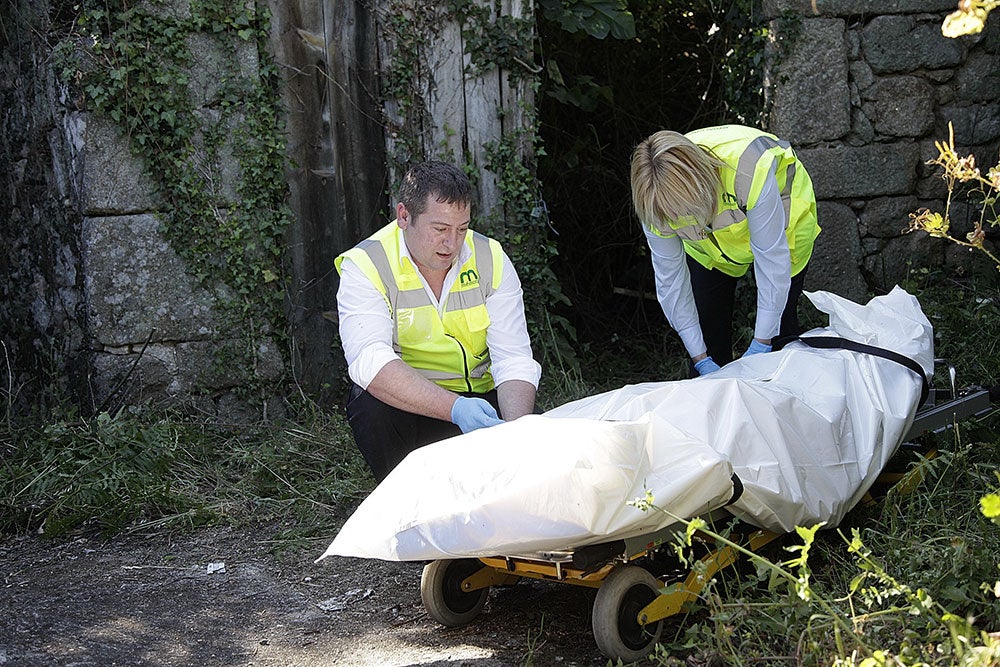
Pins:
x: 449, y: 350
x: 748, y: 154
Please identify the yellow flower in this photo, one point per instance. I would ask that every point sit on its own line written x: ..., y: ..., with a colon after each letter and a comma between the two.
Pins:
x: 968, y: 22
x: 947, y: 157
x: 931, y: 222
x: 955, y: 167
x: 994, y: 176
x: 969, y: 18
x: 966, y: 169
x: 990, y: 506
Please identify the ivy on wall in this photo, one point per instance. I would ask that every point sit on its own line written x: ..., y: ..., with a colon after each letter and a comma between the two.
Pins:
x: 133, y: 65
x: 524, y: 233
x: 746, y: 45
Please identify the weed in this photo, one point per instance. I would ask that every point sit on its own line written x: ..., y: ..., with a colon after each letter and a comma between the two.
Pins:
x: 134, y: 471
x: 982, y: 191
x: 965, y: 315
x: 913, y: 582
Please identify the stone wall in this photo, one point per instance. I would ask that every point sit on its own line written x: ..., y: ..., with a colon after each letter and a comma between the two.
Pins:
x: 97, y: 307
x: 864, y: 91
x: 42, y: 308
x: 153, y: 329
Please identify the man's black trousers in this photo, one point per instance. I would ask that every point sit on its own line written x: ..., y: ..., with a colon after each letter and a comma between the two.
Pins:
x: 385, y: 435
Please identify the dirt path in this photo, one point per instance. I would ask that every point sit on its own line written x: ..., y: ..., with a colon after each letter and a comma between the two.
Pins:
x: 221, y: 597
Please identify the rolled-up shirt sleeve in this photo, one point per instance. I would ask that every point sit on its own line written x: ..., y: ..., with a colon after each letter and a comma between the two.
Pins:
x: 673, y: 290
x: 772, y: 264
x: 507, y: 336
x: 365, y: 325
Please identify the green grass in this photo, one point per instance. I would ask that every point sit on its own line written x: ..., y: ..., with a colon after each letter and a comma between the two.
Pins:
x: 135, y: 470
x: 965, y: 315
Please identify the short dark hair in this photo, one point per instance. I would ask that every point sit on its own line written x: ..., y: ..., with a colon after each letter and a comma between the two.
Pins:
x: 446, y: 182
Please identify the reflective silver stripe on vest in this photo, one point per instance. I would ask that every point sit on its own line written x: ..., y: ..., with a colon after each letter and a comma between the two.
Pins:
x: 481, y: 368
x: 464, y: 300
x: 410, y: 298
x: 470, y: 298
x: 729, y: 216
x: 376, y: 253
x: 786, y: 194
x: 413, y: 298
x: 397, y: 299
x: 691, y: 233
x: 746, y: 168
x: 476, y: 373
x: 437, y: 375
x: 484, y: 260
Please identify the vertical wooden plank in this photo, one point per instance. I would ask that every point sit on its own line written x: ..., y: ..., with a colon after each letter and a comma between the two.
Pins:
x: 387, y: 46
x: 326, y: 55
x: 458, y: 111
x: 445, y: 95
x: 352, y: 113
x: 482, y: 103
x: 313, y: 240
x: 420, y: 41
x: 516, y: 92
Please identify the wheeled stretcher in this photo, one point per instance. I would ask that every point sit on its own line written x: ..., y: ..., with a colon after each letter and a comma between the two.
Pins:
x: 796, y: 437
x: 639, y: 581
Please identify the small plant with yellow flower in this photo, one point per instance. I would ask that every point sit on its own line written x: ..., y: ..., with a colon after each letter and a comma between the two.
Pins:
x: 962, y: 170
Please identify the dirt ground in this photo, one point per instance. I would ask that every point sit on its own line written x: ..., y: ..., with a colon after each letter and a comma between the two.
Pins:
x: 220, y: 596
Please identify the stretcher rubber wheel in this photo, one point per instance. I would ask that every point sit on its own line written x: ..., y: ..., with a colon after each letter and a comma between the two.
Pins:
x: 442, y: 594
x: 617, y: 630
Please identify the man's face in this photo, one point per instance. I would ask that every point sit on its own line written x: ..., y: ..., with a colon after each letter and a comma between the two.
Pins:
x: 435, y: 237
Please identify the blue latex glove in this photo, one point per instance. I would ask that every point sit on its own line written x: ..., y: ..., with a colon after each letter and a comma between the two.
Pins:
x: 472, y: 413
x: 756, y: 347
x: 706, y: 366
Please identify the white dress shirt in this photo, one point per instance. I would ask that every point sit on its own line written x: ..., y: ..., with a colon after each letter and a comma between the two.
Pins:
x: 771, y: 264
x: 366, y: 325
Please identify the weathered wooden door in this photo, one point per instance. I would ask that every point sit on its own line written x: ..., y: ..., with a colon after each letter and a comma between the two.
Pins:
x: 370, y: 88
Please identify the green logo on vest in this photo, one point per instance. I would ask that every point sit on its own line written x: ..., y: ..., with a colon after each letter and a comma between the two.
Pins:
x: 469, y: 276
x: 729, y: 197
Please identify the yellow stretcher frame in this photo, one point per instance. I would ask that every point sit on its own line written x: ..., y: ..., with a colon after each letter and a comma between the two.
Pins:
x: 628, y: 638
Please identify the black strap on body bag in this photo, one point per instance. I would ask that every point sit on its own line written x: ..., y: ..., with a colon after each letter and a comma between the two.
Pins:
x: 835, y: 343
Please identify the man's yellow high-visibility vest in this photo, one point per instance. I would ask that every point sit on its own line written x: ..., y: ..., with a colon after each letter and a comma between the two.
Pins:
x: 449, y: 350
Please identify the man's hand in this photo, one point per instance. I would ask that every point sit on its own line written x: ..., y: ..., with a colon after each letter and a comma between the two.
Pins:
x: 472, y: 413
x: 706, y: 366
x: 756, y: 347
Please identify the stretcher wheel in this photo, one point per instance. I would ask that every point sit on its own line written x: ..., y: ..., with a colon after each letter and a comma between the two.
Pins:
x: 442, y: 594
x: 617, y: 630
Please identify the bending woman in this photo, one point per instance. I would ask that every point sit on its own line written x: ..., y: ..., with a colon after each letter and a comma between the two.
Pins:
x: 713, y: 203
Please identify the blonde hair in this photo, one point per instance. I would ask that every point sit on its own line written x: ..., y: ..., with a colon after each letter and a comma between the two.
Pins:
x: 672, y: 177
